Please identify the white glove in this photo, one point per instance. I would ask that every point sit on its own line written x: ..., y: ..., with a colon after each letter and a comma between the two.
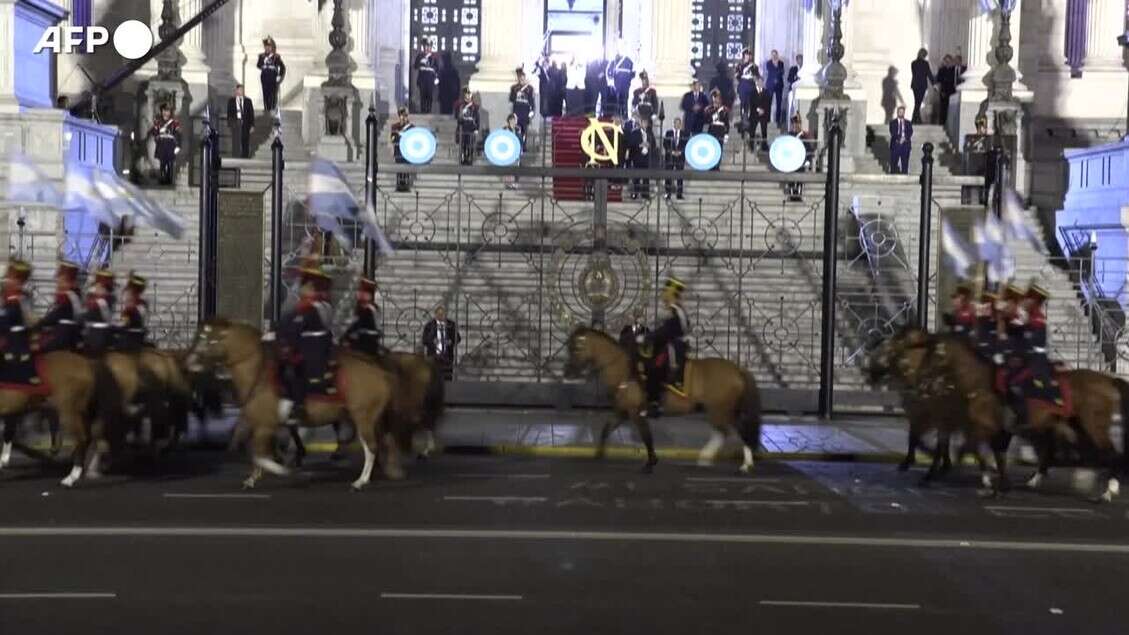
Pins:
x: 998, y: 359
x: 268, y: 336
x: 639, y: 339
x: 175, y: 152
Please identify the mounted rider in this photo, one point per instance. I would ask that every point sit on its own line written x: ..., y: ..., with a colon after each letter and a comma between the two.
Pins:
x: 61, y: 327
x: 985, y: 335
x: 363, y: 333
x: 132, y: 330
x: 669, y: 347
x: 1011, y: 334
x: 962, y: 319
x: 99, y: 315
x: 305, y: 340
x: 17, y: 317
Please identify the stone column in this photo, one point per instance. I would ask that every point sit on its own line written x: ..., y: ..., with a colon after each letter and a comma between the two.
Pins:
x: 501, y: 28
x: 981, y: 26
x: 361, y: 46
x: 813, y: 27
x: 391, y: 56
x: 194, y: 69
x: 1105, y: 21
x: 670, y: 30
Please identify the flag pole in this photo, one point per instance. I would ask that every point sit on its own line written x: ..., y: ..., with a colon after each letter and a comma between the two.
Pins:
x: 21, y: 223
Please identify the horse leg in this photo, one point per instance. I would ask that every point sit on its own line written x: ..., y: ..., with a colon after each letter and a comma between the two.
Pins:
x: 299, y: 446
x: 73, y: 423
x: 644, y: 428
x: 9, y: 440
x: 261, y: 438
x: 1044, y: 448
x: 935, y: 464
x: 393, y: 470
x: 429, y: 444
x: 1000, y: 443
x: 911, y: 449
x: 609, y: 426
x: 709, y: 451
x: 944, y: 448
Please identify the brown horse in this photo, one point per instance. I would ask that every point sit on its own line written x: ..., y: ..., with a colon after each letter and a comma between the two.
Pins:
x: 77, y: 389
x: 728, y: 394
x: 366, y: 392
x: 419, y: 404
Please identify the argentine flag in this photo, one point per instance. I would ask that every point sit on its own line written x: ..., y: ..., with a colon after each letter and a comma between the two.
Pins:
x: 958, y: 254
x: 82, y: 195
x: 1016, y: 228
x: 331, y: 201
x: 28, y: 185
x: 126, y: 199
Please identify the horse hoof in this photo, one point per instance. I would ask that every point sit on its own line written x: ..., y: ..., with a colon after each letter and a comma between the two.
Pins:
x: 648, y: 468
x: 93, y: 474
x: 423, y: 456
x: 394, y: 474
x: 68, y: 482
x: 904, y: 466
x: 988, y: 492
x: 705, y: 463
x: 745, y: 468
x: 1035, y: 481
x: 249, y: 484
x: 357, y: 485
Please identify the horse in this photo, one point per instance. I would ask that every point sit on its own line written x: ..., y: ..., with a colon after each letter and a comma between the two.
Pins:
x: 366, y: 391
x: 76, y: 389
x: 727, y: 392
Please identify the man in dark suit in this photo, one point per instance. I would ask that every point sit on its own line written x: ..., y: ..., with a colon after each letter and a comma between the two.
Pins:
x: 947, y: 78
x: 674, y: 144
x: 774, y: 84
x: 440, y: 337
x: 762, y: 112
x: 642, y: 148
x: 921, y: 80
x: 901, y: 140
x: 241, y: 121
x: 694, y: 104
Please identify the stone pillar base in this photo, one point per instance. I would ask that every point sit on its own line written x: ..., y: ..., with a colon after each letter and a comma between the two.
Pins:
x: 155, y: 93
x: 339, y: 108
x: 853, y: 120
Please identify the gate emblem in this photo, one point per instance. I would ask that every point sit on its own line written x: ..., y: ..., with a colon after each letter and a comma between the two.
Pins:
x: 608, y: 148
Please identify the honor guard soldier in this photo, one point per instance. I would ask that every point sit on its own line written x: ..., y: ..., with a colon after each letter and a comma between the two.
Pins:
x: 717, y: 120
x: 1011, y: 327
x: 18, y: 367
x: 1041, y: 381
x: 620, y: 72
x: 962, y: 320
x: 273, y: 71
x: 674, y: 145
x: 305, y: 340
x: 166, y: 132
x: 645, y: 101
x: 132, y: 329
x: 99, y: 313
x: 468, y: 124
x: 668, y: 346
x: 427, y: 75
x: 402, y: 125
x: 363, y: 334
x: 747, y: 74
x: 522, y: 98
x: 694, y: 104
x: 61, y: 327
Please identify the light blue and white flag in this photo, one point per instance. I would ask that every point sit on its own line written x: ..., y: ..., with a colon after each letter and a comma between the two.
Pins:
x: 332, y: 200
x: 82, y: 195
x: 126, y: 199
x: 1015, y: 227
x: 958, y: 254
x: 29, y: 185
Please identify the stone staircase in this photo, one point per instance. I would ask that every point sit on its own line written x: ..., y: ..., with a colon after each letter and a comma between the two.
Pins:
x: 947, y: 157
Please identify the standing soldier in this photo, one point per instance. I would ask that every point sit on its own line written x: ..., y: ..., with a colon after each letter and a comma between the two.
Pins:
x: 61, y: 330
x: 273, y: 72
x: 135, y: 315
x: 747, y: 74
x: 669, y: 347
x: 674, y: 143
x: 99, y: 313
x: 427, y: 75
x: 645, y: 101
x: 621, y: 70
x: 962, y: 320
x: 694, y: 104
x: 468, y: 124
x: 166, y: 131
x: 403, y: 180
x: 363, y: 334
x: 717, y: 116
x: 521, y: 96
x: 642, y: 148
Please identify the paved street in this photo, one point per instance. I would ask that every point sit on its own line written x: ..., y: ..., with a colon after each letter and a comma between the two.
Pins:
x: 478, y: 544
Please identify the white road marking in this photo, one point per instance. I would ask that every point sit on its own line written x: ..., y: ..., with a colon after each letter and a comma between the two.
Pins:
x: 221, y: 496
x: 748, y: 480
x: 505, y: 476
x: 843, y: 605
x: 499, y: 499
x: 561, y: 535
x: 449, y: 596
x: 758, y: 502
x: 58, y: 596
x: 1018, y: 508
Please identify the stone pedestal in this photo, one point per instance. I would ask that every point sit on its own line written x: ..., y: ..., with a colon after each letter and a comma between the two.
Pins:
x: 157, y: 92
x: 670, y: 30
x: 502, y: 24
x: 26, y: 80
x: 852, y: 118
x: 338, y: 114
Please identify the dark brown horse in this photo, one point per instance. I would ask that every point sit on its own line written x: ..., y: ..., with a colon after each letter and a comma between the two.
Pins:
x: 728, y: 394
x: 367, y: 391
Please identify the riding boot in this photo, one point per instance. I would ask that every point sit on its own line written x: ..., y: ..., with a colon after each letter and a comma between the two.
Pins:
x: 654, y: 393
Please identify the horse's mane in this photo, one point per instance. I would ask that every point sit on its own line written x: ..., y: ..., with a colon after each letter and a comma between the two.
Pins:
x: 587, y: 331
x: 235, y: 325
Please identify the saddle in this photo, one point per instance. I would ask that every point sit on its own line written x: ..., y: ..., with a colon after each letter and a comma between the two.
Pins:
x: 319, y: 363
x: 661, y: 363
x: 19, y: 370
x: 1049, y: 390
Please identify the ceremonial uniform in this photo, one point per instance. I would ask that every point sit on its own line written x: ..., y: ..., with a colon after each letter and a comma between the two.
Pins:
x: 642, y: 147
x: 620, y: 72
x: 427, y: 75
x: 61, y: 328
x: 304, y: 337
x: 98, y: 317
x: 272, y: 72
x: 166, y: 132
x: 694, y: 104
x: 403, y: 181
x: 962, y: 320
x: 718, y: 125
x: 18, y: 367
x: 363, y: 333
x: 986, y: 323
x: 645, y: 101
x: 468, y: 124
x: 674, y: 144
x: 668, y: 346
x: 747, y: 74
x: 521, y: 96
x: 132, y: 329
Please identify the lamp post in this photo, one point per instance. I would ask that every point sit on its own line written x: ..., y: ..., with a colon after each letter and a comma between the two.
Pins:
x: 835, y: 74
x: 1003, y: 76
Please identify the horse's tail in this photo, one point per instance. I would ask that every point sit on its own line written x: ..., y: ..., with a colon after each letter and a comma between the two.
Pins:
x: 107, y: 405
x: 749, y: 413
x: 1122, y: 387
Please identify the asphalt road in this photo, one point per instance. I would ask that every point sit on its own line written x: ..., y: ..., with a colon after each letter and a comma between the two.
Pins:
x: 505, y: 545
